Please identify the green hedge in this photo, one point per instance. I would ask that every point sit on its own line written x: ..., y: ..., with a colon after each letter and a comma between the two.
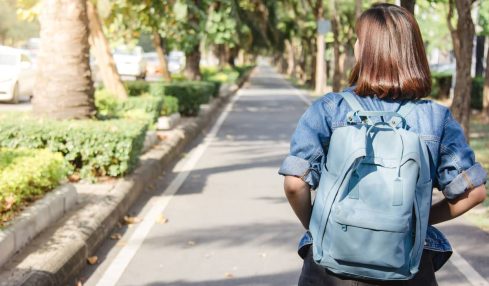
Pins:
x: 441, y: 84
x: 93, y: 148
x: 136, y: 87
x: 26, y: 174
x: 143, y: 107
x: 170, y: 105
x: 190, y: 94
x: 476, y: 97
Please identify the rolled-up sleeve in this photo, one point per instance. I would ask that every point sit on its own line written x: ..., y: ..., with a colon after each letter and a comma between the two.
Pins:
x: 308, y: 146
x: 457, y: 169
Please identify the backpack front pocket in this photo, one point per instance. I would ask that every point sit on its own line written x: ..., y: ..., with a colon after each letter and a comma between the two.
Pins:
x: 374, y: 239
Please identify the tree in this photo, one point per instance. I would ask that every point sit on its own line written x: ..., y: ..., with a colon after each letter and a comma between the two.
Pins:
x: 64, y: 87
x: 358, y: 9
x: 320, y: 46
x: 462, y: 37
x: 409, y: 5
x: 103, y: 56
x: 484, y: 24
x: 195, y: 19
x: 336, y: 45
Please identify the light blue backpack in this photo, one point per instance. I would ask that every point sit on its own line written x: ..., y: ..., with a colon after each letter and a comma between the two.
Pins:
x: 371, y: 209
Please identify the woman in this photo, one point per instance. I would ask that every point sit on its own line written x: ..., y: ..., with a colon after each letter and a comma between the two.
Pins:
x: 391, y: 68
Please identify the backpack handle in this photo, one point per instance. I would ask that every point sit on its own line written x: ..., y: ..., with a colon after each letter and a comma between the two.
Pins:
x: 364, y: 116
x: 359, y: 112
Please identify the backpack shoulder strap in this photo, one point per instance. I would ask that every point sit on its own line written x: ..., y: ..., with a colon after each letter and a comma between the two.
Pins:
x: 403, y: 111
x: 406, y: 108
x: 354, y: 104
x: 352, y: 101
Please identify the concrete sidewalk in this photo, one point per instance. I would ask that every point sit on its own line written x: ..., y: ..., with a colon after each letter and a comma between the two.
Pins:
x: 228, y: 220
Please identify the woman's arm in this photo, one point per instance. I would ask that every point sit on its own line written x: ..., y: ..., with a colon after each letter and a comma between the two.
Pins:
x: 448, y: 209
x: 299, y: 195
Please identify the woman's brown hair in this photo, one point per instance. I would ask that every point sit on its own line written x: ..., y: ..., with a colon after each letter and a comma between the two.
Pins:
x: 391, y: 62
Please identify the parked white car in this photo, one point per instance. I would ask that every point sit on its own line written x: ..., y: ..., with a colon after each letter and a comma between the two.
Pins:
x: 17, y: 74
x: 130, y: 61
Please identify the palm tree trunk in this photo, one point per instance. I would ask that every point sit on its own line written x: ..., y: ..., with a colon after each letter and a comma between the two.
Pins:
x: 64, y: 87
x: 464, y: 45
x: 160, y: 48
x: 105, y: 62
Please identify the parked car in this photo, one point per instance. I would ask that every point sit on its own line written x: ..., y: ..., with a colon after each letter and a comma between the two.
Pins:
x: 153, y: 66
x: 176, y: 61
x: 17, y: 74
x: 130, y: 61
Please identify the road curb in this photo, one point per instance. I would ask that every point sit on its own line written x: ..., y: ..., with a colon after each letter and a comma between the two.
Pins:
x: 59, y: 253
x: 35, y: 219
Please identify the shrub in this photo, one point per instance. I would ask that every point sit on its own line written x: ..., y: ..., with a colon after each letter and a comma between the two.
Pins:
x: 442, y: 82
x: 151, y: 106
x: 476, y: 96
x: 190, y: 94
x: 26, y: 174
x: 136, y: 87
x: 106, y: 104
x: 170, y: 105
x: 93, y: 148
x: 144, y: 107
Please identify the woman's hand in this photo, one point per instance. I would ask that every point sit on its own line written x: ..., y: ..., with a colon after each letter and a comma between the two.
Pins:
x: 448, y: 209
x: 299, y: 195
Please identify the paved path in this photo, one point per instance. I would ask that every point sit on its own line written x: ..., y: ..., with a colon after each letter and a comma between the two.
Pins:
x: 229, y: 222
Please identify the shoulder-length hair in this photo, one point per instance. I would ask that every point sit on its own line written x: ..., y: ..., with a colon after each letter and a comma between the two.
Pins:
x: 391, y: 60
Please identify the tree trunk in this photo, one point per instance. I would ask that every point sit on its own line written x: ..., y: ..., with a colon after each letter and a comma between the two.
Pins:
x: 486, y: 87
x: 463, y: 41
x: 358, y: 8
x: 336, y: 46
x: 289, y: 50
x: 320, y: 75
x: 479, y: 55
x: 192, y: 64
x: 64, y: 87
x: 233, y: 53
x: 409, y: 5
x: 160, y: 48
x: 105, y: 62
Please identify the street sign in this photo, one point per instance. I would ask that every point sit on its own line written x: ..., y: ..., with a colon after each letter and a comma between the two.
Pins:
x: 324, y: 26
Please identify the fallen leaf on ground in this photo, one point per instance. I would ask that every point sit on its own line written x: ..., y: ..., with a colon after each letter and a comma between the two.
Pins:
x: 9, y: 202
x: 161, y: 219
x: 116, y: 236
x: 228, y: 275
x: 131, y: 219
x: 74, y: 177
x: 92, y: 260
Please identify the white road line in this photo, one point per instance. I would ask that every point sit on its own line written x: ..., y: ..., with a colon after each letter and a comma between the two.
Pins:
x: 467, y: 270
x: 120, y: 262
x: 299, y: 93
x: 456, y: 259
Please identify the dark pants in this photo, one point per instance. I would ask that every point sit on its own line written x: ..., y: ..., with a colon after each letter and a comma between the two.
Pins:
x: 315, y: 275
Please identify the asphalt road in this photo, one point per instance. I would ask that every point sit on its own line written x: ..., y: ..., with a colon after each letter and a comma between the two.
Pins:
x: 228, y: 220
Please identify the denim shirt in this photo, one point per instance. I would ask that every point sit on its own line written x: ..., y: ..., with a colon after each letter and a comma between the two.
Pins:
x: 453, y: 166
